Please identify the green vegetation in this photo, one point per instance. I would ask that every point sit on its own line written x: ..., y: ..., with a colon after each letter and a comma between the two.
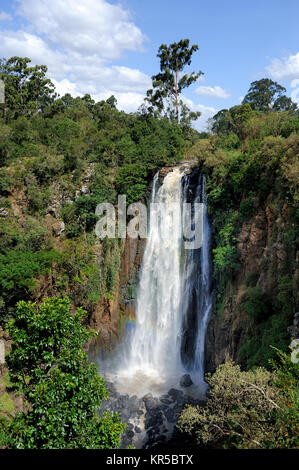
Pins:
x: 61, y: 389
x: 60, y: 158
x: 257, y: 409
x: 251, y: 163
x: 27, y: 89
x: 265, y: 94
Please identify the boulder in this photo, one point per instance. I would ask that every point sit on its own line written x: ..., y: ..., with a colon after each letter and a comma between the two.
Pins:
x: 186, y: 380
x: 176, y: 395
x: 150, y: 402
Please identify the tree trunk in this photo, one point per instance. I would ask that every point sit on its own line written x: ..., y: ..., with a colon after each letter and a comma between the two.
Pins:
x: 176, y: 95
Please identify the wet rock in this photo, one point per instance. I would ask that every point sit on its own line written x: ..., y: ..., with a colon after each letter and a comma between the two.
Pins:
x: 160, y: 415
x: 150, y: 402
x: 176, y: 395
x: 165, y: 399
x: 186, y: 381
x: 170, y: 415
x: 147, y: 396
x: 153, y: 419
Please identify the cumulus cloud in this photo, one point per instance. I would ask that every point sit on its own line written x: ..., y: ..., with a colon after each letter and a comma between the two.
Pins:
x: 87, y: 27
x: 78, y: 40
x: 129, y: 101
x: 65, y: 86
x: 285, y: 69
x: 213, y: 92
x: 23, y: 44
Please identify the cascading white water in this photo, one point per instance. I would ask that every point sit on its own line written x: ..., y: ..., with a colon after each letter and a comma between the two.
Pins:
x: 174, y: 293
x: 154, y: 348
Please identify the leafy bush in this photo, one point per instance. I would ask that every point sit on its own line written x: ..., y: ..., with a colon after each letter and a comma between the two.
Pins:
x: 63, y: 391
x: 226, y: 254
x: 246, y: 410
x: 19, y: 269
x: 131, y: 180
x: 257, y: 350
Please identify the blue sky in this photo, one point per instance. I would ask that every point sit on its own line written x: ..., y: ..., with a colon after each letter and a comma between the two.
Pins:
x: 105, y: 46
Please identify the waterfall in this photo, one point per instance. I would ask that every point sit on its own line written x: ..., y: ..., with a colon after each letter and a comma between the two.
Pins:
x: 155, y: 342
x: 196, y: 298
x: 174, y: 293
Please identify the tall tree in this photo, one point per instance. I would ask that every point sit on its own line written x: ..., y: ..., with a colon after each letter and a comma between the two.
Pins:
x: 168, y: 84
x: 62, y: 390
x: 265, y: 94
x: 27, y: 88
x: 284, y: 103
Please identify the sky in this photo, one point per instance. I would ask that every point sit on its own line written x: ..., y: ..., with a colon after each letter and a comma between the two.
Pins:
x: 105, y: 47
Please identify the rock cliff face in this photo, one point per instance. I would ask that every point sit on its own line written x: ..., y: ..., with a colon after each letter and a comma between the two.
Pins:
x: 265, y: 256
x: 108, y: 315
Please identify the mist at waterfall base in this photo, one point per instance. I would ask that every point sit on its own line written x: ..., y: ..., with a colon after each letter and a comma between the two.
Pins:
x: 174, y: 298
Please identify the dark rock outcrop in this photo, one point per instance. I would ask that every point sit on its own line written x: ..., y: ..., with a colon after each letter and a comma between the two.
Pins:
x: 151, y: 420
x: 186, y: 381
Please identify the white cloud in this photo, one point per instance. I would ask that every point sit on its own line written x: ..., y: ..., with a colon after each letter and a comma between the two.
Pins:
x: 87, y: 27
x: 129, y: 102
x: 214, y: 92
x: 4, y: 16
x: 77, y: 40
x: 295, y: 93
x: 20, y: 43
x: 285, y: 69
x: 206, y: 113
x: 65, y: 86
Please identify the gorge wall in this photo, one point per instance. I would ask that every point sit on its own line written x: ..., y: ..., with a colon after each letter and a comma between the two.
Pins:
x: 109, y: 314
x: 268, y: 262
